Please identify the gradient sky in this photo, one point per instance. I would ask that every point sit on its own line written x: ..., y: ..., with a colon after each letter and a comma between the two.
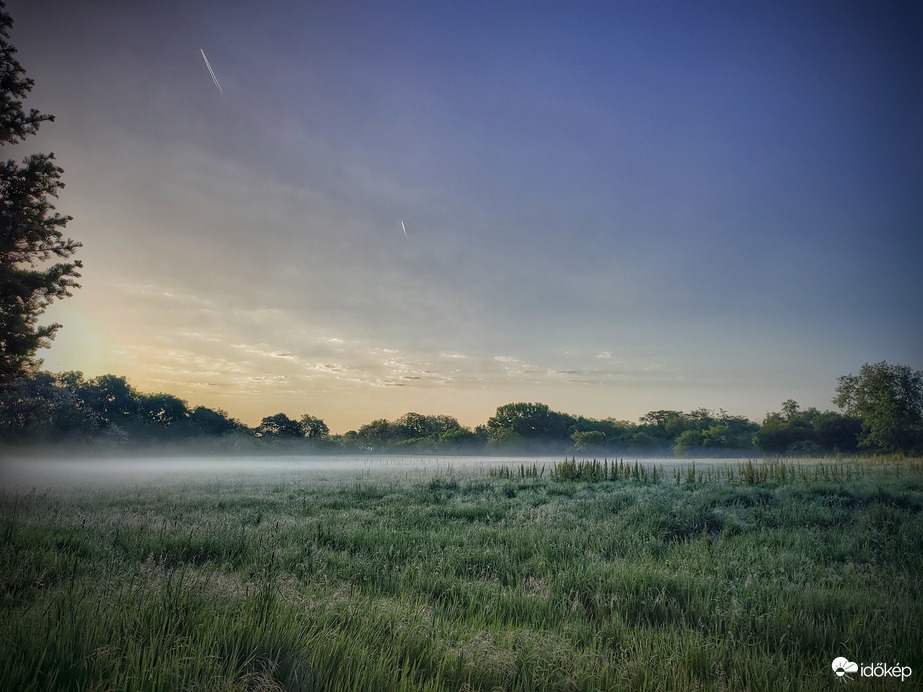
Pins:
x: 610, y: 207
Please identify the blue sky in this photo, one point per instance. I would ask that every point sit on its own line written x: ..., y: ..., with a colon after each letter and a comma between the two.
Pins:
x: 610, y: 207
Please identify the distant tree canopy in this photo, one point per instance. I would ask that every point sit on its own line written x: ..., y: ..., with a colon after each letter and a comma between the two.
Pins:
x: 700, y: 432
x: 65, y: 406
x: 588, y: 440
x: 414, y: 431
x: 213, y: 423
x: 313, y: 428
x: 888, y: 399
x: 535, y: 427
x: 796, y: 432
x: 278, y: 427
x: 281, y: 428
x: 884, y: 409
x: 30, y: 230
x: 531, y: 425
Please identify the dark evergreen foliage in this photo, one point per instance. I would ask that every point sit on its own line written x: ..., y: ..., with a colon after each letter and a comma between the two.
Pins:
x: 30, y: 230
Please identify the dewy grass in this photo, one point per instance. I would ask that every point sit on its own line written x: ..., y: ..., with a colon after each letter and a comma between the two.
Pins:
x: 582, y: 576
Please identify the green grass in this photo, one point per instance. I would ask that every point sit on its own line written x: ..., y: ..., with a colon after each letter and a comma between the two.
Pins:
x: 579, y: 577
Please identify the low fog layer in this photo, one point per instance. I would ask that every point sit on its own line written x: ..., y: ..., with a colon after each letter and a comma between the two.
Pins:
x: 25, y: 474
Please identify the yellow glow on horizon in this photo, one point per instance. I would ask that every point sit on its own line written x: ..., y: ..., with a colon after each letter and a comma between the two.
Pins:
x: 77, y: 345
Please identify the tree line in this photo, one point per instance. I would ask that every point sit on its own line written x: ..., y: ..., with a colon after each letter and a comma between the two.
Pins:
x: 881, y: 411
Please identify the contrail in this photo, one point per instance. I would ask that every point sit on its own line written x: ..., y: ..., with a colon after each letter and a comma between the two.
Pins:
x: 211, y: 71
x: 405, y: 230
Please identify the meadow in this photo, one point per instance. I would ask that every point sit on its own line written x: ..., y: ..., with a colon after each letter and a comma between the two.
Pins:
x: 567, y: 575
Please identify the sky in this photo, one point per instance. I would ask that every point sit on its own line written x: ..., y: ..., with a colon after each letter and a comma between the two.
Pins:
x: 610, y: 207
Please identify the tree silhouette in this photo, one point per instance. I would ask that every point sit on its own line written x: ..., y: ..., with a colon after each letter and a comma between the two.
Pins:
x: 30, y: 230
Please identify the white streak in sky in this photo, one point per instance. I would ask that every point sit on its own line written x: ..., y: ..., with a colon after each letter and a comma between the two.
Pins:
x: 211, y: 71
x: 405, y: 230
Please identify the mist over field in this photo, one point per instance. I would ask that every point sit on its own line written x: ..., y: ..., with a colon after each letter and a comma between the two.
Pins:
x: 86, y: 473
x: 110, y: 471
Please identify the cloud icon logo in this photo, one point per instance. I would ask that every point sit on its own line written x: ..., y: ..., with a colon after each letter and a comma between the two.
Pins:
x: 841, y: 666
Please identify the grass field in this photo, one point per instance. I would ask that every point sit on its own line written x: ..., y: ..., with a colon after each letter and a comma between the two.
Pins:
x: 567, y: 576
